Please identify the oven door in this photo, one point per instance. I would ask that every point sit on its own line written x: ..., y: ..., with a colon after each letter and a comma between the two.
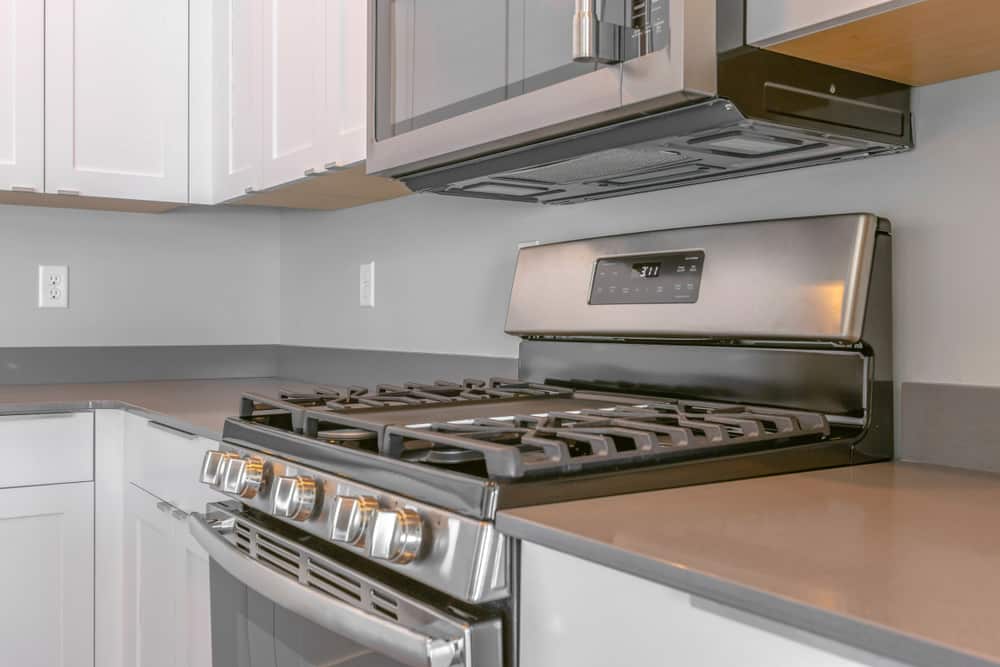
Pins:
x: 448, y: 81
x: 281, y: 598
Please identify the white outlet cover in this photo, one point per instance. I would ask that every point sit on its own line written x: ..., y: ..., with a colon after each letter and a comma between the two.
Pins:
x: 53, y: 286
x: 367, y: 285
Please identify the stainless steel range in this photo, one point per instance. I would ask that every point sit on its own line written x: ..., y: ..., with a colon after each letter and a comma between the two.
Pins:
x: 361, y: 528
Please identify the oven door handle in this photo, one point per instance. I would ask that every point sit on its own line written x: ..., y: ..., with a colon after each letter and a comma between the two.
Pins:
x: 391, y: 640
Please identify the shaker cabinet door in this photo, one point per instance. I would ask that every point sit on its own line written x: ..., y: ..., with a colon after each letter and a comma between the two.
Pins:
x: 294, y: 97
x: 47, y: 575
x: 238, y: 63
x: 22, y: 81
x: 116, y: 98
x: 193, y: 621
x: 150, y: 589
x: 346, y: 82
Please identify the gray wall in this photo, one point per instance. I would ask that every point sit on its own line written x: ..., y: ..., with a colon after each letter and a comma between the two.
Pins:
x: 192, y: 277
x: 444, y: 265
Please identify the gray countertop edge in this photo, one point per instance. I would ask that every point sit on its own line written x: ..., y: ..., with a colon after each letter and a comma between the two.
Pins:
x: 874, y: 638
x: 108, y: 404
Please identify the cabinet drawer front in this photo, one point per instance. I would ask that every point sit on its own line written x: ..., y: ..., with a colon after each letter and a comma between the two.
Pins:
x: 46, y: 448
x: 166, y: 462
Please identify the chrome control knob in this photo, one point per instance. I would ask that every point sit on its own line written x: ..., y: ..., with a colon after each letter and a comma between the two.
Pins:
x: 213, y: 466
x: 349, y: 518
x: 396, y: 535
x: 294, y: 498
x: 243, y: 477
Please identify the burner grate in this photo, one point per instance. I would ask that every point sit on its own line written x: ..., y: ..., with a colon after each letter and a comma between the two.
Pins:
x: 438, y: 392
x: 565, y: 442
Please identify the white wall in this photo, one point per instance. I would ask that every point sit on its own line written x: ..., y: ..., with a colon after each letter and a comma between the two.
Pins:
x: 191, y: 277
x: 444, y: 265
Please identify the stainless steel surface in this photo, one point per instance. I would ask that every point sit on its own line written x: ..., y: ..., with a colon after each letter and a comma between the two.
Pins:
x: 580, y: 102
x: 596, y: 40
x: 294, y: 498
x: 797, y: 279
x: 243, y: 476
x: 396, y: 535
x: 821, y: 380
x: 349, y: 518
x: 213, y: 466
x: 344, y: 600
x: 685, y: 85
x: 463, y: 557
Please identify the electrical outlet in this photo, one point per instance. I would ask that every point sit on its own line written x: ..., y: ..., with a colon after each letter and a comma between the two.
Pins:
x: 368, y: 285
x: 53, y: 286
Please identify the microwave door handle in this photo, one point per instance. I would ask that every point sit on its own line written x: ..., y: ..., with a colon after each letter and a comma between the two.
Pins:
x: 594, y: 39
x: 391, y: 640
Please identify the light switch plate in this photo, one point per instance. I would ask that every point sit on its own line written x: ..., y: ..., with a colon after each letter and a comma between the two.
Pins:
x: 368, y: 285
x: 53, y: 286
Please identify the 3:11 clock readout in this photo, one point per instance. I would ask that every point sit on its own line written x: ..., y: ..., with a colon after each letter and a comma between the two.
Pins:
x: 647, y: 269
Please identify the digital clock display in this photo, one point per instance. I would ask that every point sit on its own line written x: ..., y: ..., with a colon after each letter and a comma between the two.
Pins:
x: 668, y: 277
x: 647, y: 269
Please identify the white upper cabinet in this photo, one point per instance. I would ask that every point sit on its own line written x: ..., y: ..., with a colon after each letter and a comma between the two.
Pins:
x: 238, y: 89
x: 289, y: 91
x: 22, y: 79
x: 116, y: 108
x: 347, y: 82
x: 294, y: 100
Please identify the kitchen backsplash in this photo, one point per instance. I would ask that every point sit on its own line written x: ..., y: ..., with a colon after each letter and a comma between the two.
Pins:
x: 196, y: 276
x: 444, y: 265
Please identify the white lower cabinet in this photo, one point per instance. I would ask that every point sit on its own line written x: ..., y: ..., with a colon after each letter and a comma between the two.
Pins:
x: 193, y: 622
x: 574, y: 612
x: 47, y: 575
x: 167, y: 621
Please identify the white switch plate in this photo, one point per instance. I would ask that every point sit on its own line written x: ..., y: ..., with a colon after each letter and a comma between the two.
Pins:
x: 53, y: 286
x: 368, y: 285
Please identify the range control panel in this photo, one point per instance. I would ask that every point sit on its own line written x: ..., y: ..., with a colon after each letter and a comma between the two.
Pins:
x: 663, y: 278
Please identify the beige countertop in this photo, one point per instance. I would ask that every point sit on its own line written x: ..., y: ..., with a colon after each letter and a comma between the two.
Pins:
x: 892, y: 550
x: 201, y: 405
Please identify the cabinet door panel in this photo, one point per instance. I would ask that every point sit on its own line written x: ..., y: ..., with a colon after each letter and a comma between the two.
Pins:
x: 47, y: 575
x: 238, y: 60
x: 150, y: 638
x: 294, y: 99
x: 22, y: 79
x: 346, y: 81
x: 194, y: 613
x: 116, y: 110
x: 570, y: 607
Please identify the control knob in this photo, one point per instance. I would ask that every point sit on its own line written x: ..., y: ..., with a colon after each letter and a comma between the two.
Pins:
x: 213, y: 466
x: 243, y: 477
x: 294, y: 498
x: 396, y: 535
x: 349, y: 517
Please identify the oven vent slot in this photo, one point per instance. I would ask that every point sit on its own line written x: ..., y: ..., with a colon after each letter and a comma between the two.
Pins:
x: 332, y: 583
x: 337, y: 581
